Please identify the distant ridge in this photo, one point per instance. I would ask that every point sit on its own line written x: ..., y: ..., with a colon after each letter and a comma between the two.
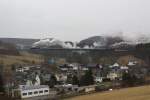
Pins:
x: 8, y: 49
x: 94, y: 42
x: 20, y: 42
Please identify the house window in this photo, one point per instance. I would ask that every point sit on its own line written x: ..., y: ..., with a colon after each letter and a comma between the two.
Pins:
x: 24, y: 94
x: 29, y: 93
x: 40, y: 91
x: 36, y: 92
x: 45, y: 90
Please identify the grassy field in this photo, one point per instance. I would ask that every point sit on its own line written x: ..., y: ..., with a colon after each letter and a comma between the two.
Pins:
x: 136, y: 93
x: 23, y: 58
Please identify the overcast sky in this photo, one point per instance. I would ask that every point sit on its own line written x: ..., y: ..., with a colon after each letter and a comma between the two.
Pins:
x: 73, y: 19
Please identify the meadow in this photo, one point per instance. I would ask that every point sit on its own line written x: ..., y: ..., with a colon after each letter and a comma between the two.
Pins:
x: 135, y: 93
x: 23, y: 58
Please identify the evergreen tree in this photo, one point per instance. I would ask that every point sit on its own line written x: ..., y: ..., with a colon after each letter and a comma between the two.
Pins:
x: 69, y: 79
x: 128, y: 79
x: 75, y: 80
x: 53, y: 81
x: 1, y: 84
x: 87, y: 79
x: 1, y: 78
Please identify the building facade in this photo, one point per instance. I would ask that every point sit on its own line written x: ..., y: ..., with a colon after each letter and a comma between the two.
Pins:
x: 33, y: 91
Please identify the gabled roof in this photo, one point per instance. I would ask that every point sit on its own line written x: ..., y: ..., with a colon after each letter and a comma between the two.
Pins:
x: 33, y: 87
x: 131, y: 63
x: 124, y: 67
x: 116, y: 65
x: 92, y: 65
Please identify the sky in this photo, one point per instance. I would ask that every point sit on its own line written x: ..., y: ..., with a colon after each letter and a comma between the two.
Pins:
x: 74, y: 19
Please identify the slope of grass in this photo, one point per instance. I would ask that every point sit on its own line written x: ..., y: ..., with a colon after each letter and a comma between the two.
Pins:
x: 123, y: 60
x: 23, y: 58
x: 136, y: 93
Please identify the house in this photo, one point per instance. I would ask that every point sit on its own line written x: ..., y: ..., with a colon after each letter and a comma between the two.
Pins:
x: 61, y: 77
x: 22, y: 68
x: 88, y: 89
x: 115, y: 68
x: 94, y: 66
x: 28, y: 80
x: 124, y: 68
x: 27, y: 68
x: 19, y: 69
x: 37, y: 80
x: 84, y: 69
x: 132, y: 63
x: 115, y: 65
x: 112, y: 76
x: 65, y: 67
x: 75, y: 66
x: 98, y: 79
x: 70, y: 87
x: 46, y: 77
x: 67, y: 87
x: 33, y: 91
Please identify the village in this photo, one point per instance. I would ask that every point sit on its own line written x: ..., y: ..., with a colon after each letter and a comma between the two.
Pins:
x: 72, y: 79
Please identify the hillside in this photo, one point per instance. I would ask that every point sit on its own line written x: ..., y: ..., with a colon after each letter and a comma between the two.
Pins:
x: 53, y: 43
x: 94, y: 42
x: 136, y: 93
x: 99, y: 42
x: 123, y: 60
x: 89, y: 43
x: 19, y: 40
x: 21, y: 43
x: 23, y: 58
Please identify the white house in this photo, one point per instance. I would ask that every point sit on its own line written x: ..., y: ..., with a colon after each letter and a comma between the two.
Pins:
x: 29, y: 83
x: 116, y: 65
x: 132, y: 63
x: 124, y: 68
x: 90, y: 88
x: 61, y: 77
x: 26, y: 68
x: 64, y: 67
x: 33, y: 91
x: 85, y: 69
x: 98, y: 79
x: 112, y: 76
x: 38, y: 81
x: 22, y: 69
x: 74, y: 66
x: 19, y: 69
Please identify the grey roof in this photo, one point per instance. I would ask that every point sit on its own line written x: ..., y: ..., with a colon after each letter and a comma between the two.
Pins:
x: 34, y: 87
